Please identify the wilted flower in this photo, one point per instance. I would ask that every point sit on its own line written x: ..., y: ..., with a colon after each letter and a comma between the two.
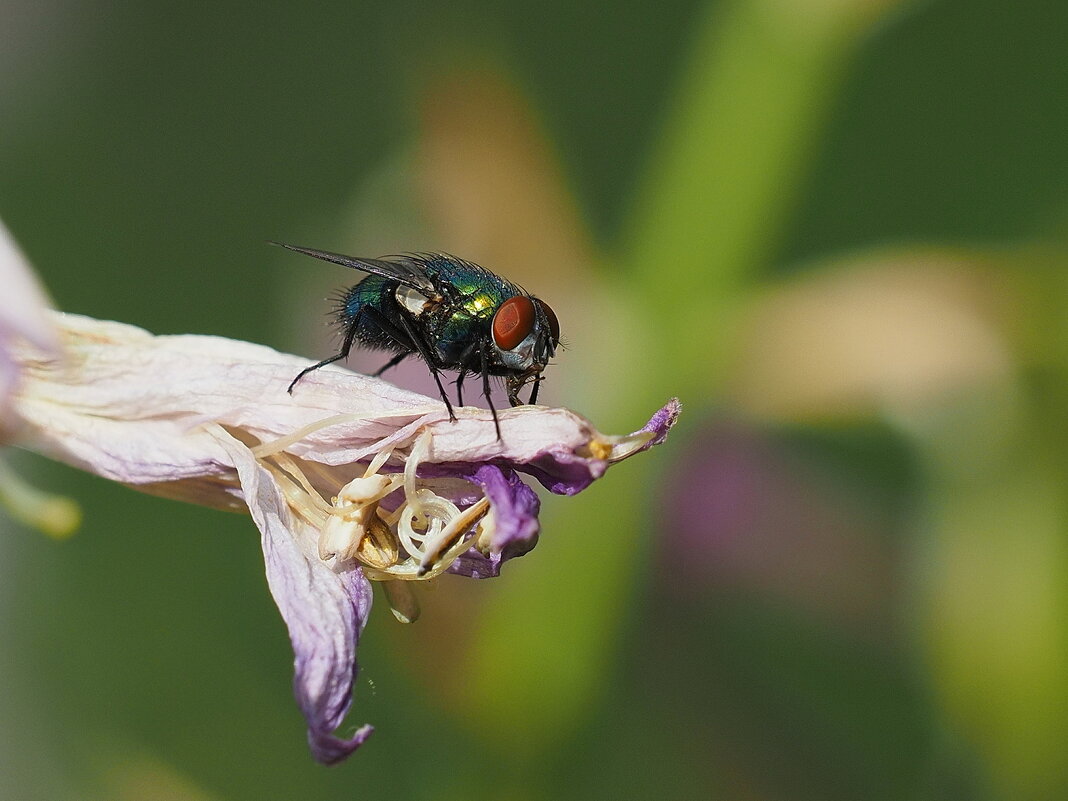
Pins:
x: 350, y: 479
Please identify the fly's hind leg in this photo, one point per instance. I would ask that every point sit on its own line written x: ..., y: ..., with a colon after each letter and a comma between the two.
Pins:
x: 346, y: 346
x: 400, y: 357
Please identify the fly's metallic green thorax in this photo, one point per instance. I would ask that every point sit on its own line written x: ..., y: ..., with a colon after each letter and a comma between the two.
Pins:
x: 451, y: 313
x: 479, y: 294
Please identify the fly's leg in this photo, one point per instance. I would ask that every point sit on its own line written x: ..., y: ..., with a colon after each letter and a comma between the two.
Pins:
x: 486, y: 392
x: 410, y: 337
x: 460, y: 387
x: 400, y: 357
x: 465, y: 357
x: 534, y: 392
x: 346, y: 346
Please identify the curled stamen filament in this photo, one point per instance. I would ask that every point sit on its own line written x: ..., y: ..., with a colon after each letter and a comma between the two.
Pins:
x: 431, y: 512
x: 419, y: 452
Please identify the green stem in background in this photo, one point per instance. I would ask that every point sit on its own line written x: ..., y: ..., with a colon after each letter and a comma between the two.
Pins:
x: 991, y: 610
x: 720, y: 183
x: 725, y: 176
x: 990, y: 595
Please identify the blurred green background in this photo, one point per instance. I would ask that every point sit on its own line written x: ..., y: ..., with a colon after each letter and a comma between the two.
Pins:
x: 835, y: 228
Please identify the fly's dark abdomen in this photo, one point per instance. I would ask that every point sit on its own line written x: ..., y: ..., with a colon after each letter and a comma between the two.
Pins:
x: 378, y: 295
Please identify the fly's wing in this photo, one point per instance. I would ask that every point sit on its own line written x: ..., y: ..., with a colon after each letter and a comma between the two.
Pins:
x: 404, y: 271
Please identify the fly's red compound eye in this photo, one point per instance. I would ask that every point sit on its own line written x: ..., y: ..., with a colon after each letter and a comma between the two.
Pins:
x: 513, y: 321
x: 554, y: 324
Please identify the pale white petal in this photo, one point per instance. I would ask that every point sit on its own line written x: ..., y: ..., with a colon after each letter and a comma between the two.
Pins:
x: 23, y: 303
x: 23, y: 309
x: 127, y: 405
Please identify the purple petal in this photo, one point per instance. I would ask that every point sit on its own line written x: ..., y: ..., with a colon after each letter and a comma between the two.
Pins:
x: 660, y: 423
x: 324, y: 611
x: 563, y: 472
x: 474, y: 564
x: 515, y: 510
x: 324, y: 674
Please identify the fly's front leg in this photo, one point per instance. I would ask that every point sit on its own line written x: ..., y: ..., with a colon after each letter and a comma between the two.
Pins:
x: 486, y: 391
x: 534, y: 391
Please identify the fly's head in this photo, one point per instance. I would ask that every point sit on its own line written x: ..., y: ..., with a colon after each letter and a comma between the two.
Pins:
x: 525, y: 334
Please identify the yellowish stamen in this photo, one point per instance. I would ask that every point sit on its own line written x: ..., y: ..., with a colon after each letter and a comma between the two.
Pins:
x: 431, y: 529
x: 54, y: 515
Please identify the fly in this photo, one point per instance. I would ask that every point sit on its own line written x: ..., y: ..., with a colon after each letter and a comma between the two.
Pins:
x: 452, y: 314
